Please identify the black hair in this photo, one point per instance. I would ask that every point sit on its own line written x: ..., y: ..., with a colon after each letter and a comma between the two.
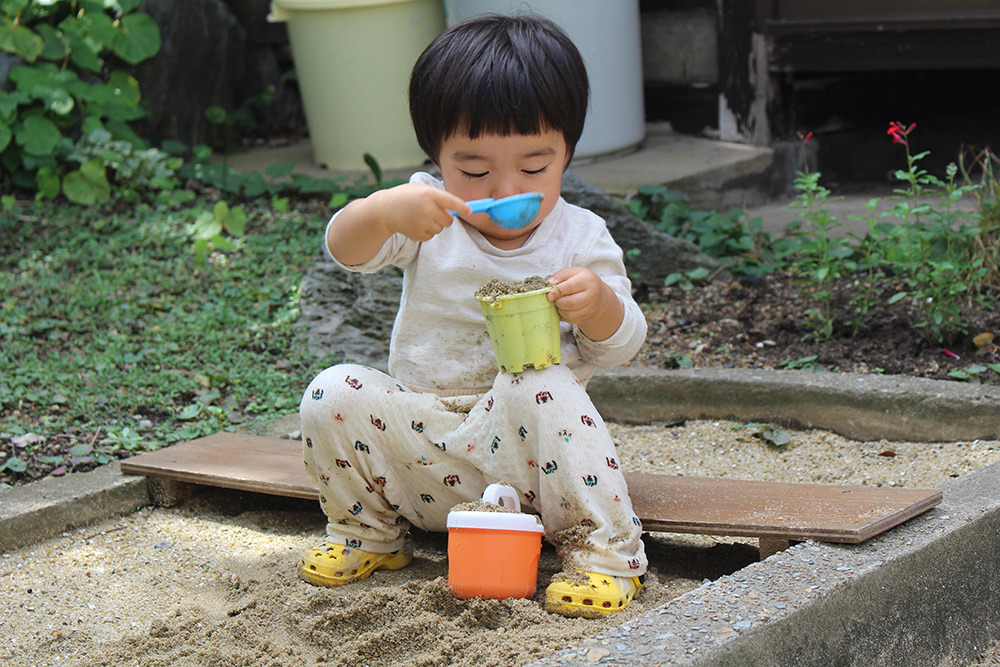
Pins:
x: 504, y: 75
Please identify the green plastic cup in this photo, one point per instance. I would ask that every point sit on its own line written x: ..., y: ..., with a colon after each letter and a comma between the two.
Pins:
x: 524, y: 330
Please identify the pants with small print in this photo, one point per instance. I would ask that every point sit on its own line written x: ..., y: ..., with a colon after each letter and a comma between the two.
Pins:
x: 385, y: 458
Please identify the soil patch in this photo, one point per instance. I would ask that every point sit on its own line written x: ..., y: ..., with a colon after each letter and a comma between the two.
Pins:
x: 497, y: 287
x: 764, y: 323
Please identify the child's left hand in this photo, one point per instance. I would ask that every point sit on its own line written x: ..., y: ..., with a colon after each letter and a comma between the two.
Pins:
x: 583, y: 299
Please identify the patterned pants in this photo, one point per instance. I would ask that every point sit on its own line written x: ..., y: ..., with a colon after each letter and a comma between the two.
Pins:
x: 385, y: 458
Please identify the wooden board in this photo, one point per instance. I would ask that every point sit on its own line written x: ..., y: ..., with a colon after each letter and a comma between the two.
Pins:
x: 772, y: 510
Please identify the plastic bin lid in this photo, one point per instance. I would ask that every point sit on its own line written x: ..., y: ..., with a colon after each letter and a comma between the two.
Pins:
x: 495, y: 521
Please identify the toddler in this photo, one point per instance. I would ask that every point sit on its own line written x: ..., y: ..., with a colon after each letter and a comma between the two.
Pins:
x: 498, y: 104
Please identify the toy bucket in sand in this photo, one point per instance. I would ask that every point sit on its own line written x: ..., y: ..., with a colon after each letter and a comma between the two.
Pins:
x: 494, y: 554
x: 524, y: 329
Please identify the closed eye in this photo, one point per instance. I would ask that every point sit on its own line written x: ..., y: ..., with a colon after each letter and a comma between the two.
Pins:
x: 535, y: 172
x: 468, y: 174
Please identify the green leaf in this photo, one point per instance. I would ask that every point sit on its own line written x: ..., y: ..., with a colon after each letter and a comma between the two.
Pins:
x: 38, y: 135
x: 98, y: 26
x: 994, y: 367
x: 88, y: 185
x: 14, y: 464
x: 48, y: 182
x: 80, y: 450
x: 200, y: 248
x: 338, y: 200
x: 236, y: 221
x: 280, y: 169
x: 374, y: 166
x: 5, y: 136
x: 85, y: 56
x: 672, y: 279
x: 190, y: 412
x: 254, y: 184
x: 777, y: 437
x: 206, y: 226
x: 9, y: 101
x: 54, y: 45
x: 22, y: 41
x: 698, y: 274
x: 174, y: 147
x: 125, y: 86
x: 221, y: 242
x: 898, y: 296
x: 216, y: 115
x: 138, y: 38
x: 221, y: 211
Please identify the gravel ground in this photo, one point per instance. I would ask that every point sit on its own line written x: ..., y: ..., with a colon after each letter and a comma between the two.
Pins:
x: 212, y: 581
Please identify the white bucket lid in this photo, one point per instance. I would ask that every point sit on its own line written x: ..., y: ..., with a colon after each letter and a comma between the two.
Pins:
x: 495, y: 521
x: 497, y: 494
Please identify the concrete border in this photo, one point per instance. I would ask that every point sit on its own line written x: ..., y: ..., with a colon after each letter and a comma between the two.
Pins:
x: 922, y: 593
x: 54, y: 505
x: 862, y: 407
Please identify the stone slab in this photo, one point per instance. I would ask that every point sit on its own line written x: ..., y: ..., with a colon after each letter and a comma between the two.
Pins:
x: 51, y: 506
x: 862, y: 407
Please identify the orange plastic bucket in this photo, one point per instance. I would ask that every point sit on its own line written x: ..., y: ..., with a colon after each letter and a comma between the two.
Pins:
x: 494, y: 554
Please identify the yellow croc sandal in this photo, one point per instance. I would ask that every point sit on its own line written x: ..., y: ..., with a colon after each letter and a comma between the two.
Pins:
x: 590, y: 595
x: 334, y: 565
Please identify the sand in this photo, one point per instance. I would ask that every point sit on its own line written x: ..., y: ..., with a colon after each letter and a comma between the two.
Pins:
x: 213, y: 581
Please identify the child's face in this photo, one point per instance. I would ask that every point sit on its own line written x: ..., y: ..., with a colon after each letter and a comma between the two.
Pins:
x: 495, y: 166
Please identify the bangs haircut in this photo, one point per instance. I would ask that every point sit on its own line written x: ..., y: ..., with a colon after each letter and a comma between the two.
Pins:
x: 503, y: 75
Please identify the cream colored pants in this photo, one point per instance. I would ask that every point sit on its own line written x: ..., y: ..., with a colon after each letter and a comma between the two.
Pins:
x: 385, y: 458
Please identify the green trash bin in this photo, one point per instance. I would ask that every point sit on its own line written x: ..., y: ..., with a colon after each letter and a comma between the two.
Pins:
x: 353, y: 60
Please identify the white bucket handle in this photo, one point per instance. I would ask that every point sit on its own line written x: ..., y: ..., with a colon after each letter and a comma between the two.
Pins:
x: 498, y: 493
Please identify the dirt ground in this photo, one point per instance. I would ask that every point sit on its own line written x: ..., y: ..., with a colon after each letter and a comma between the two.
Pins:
x: 765, y: 323
x: 213, y: 581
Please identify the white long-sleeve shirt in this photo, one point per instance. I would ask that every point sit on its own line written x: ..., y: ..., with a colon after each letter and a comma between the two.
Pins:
x: 439, y: 341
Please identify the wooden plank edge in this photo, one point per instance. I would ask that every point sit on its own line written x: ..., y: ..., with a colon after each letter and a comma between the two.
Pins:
x: 901, y: 516
x: 841, y: 536
x: 256, y: 486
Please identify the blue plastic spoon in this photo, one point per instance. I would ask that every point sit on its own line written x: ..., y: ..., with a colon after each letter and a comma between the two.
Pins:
x: 511, y: 212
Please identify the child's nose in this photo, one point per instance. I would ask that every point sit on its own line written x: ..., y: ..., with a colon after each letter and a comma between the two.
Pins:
x: 504, y: 188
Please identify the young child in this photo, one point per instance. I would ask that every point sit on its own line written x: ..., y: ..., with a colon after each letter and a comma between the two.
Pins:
x: 498, y: 104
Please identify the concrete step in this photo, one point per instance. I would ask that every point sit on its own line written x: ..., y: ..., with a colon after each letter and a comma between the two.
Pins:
x: 714, y: 174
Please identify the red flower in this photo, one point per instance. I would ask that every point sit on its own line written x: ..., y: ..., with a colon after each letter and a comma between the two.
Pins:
x: 898, y: 132
x: 805, y: 138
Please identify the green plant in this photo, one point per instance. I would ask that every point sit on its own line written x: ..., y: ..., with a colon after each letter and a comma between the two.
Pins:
x: 209, y: 226
x: 244, y: 116
x: 69, y: 86
x: 136, y: 174
x: 981, y: 167
x: 805, y: 363
x: 869, y: 269
x: 739, y: 242
x: 773, y: 435
x: 972, y: 372
x: 630, y: 255
x: 687, y: 280
x: 935, y: 247
x: 108, y: 330
x: 820, y: 255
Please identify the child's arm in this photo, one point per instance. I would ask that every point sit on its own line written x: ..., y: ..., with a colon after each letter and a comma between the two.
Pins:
x: 415, y: 210
x: 583, y: 299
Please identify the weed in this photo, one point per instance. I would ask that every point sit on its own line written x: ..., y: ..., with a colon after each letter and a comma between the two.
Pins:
x: 108, y: 331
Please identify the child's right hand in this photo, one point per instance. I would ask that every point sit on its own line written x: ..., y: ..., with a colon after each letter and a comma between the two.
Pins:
x: 417, y: 211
